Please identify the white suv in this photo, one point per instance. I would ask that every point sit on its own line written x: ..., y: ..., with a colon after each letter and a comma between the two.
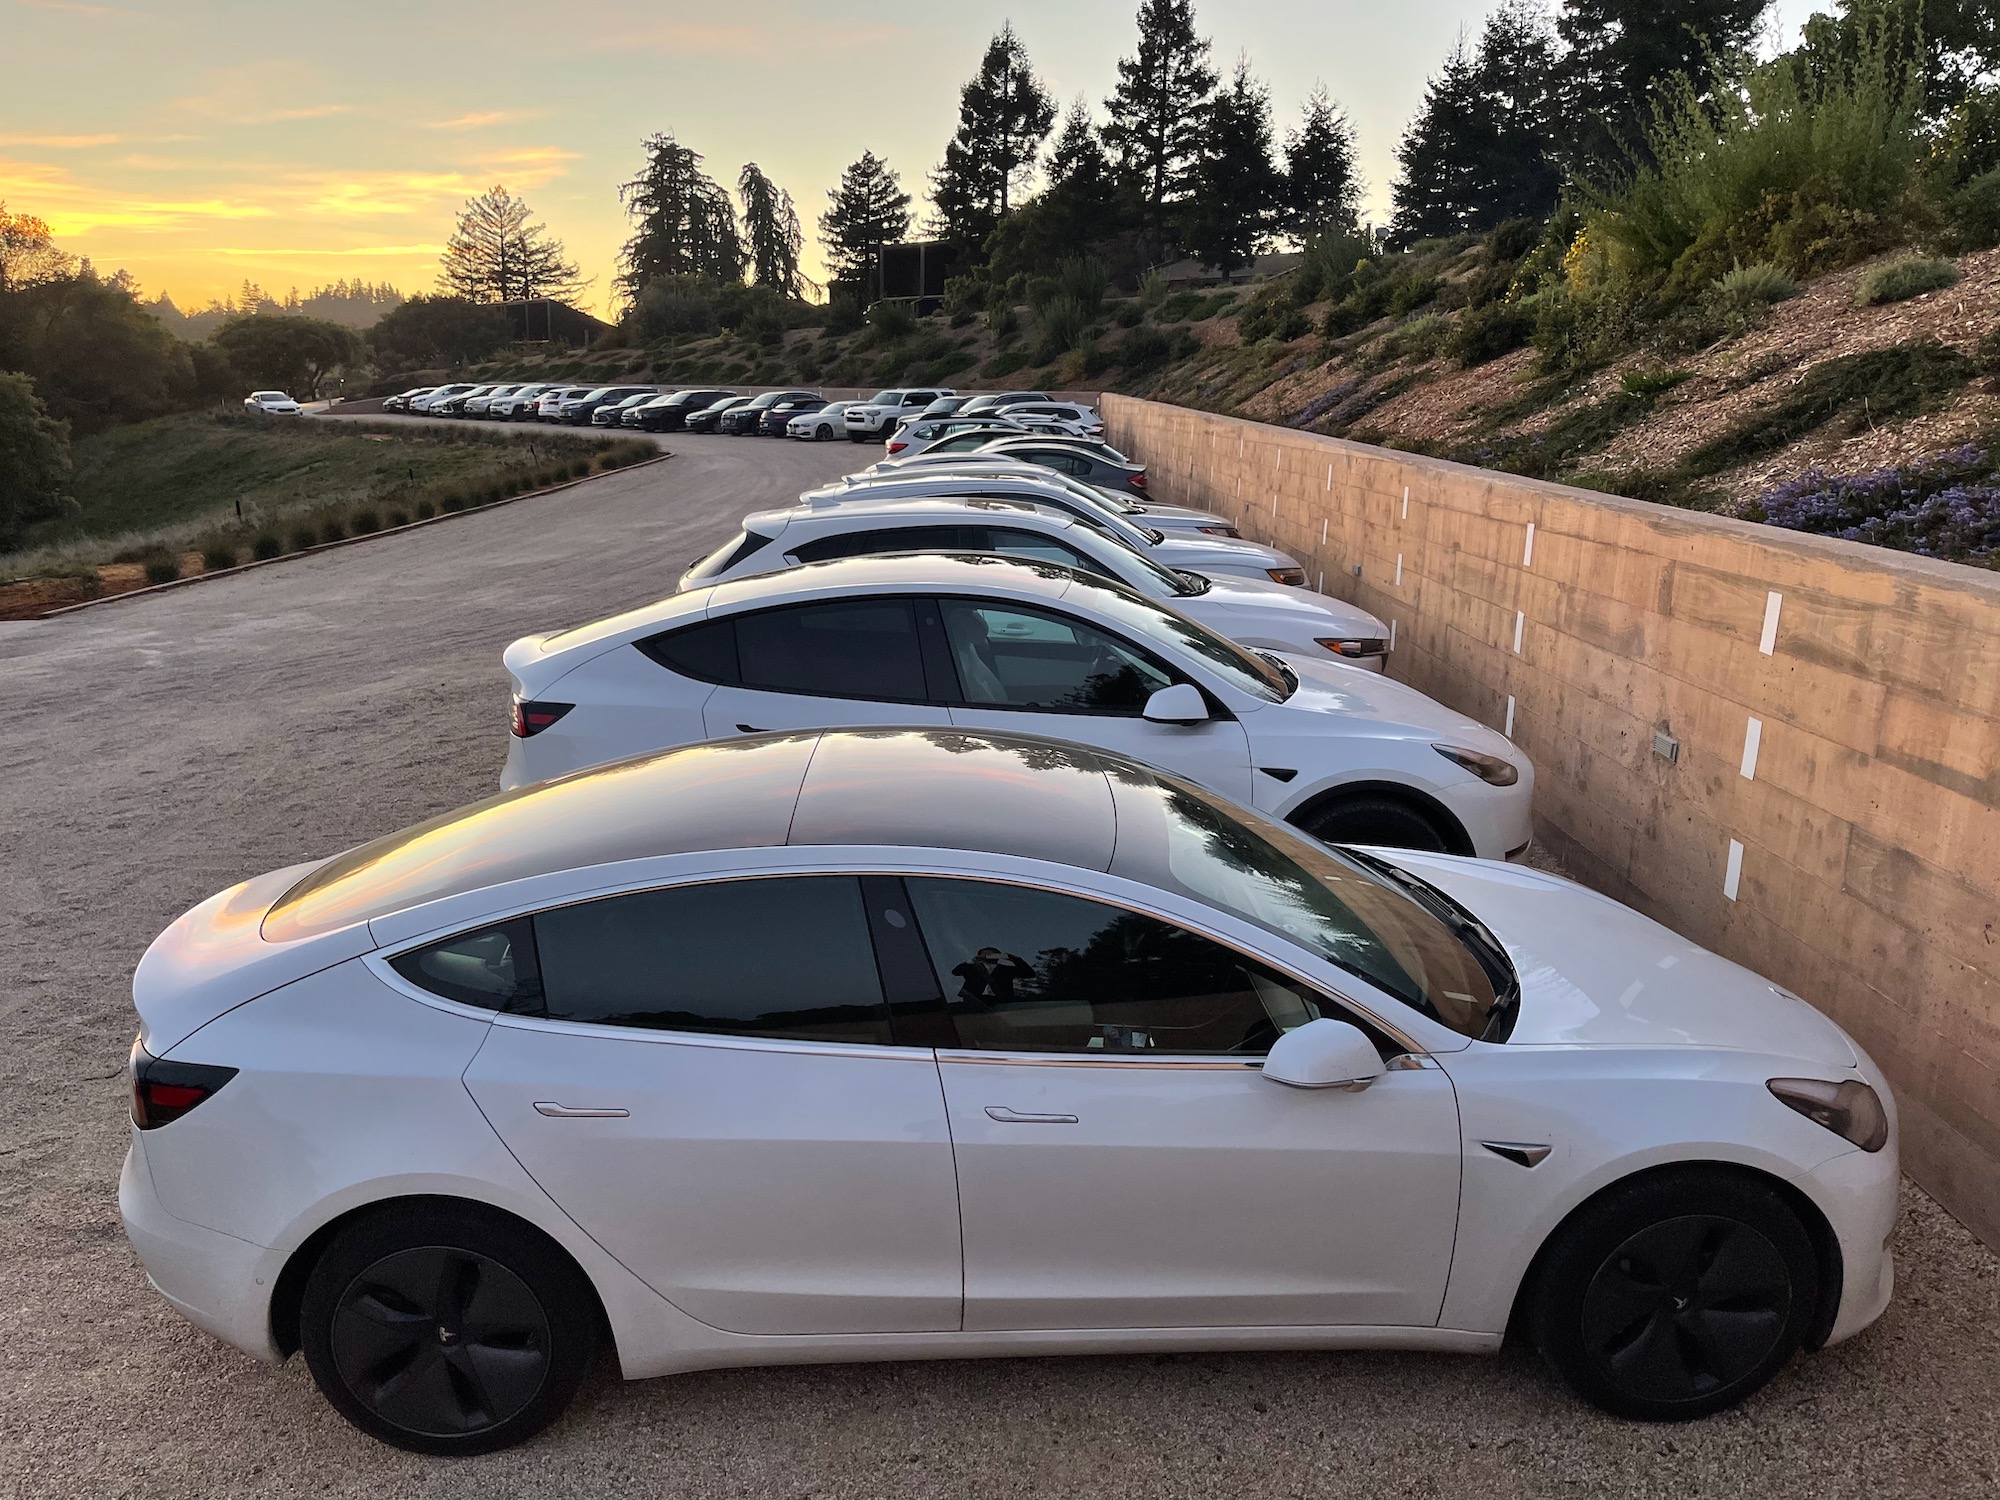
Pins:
x: 880, y: 413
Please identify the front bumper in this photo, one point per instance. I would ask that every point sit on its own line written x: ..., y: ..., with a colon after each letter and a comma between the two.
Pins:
x: 217, y: 1282
x: 1857, y: 1191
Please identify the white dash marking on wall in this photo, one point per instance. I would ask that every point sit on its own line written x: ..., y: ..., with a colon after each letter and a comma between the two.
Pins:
x: 1520, y: 623
x: 1406, y: 502
x: 1732, y: 876
x: 1509, y: 730
x: 1773, y: 602
x: 1399, y: 570
x: 1274, y: 503
x: 1753, y: 736
x: 1324, y: 522
x: 1392, y: 635
x: 1329, y: 479
x: 1322, y: 580
x: 1528, y: 552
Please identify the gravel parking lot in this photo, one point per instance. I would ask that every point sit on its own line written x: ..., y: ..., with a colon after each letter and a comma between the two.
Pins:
x: 160, y: 748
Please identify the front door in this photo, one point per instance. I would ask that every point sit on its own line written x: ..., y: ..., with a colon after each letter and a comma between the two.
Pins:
x: 1123, y: 1164
x: 711, y: 1093
x: 823, y: 665
x: 1031, y: 671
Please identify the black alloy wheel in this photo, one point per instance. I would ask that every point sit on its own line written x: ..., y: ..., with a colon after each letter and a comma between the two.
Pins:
x: 1379, y: 820
x: 454, y: 1330
x: 1676, y: 1294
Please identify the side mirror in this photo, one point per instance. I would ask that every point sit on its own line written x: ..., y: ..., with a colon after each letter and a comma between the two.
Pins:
x: 1180, y: 704
x: 1324, y: 1054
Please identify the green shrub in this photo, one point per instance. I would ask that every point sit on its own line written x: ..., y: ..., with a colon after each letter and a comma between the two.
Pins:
x: 1130, y: 313
x: 1085, y: 279
x: 1486, y: 333
x: 844, y: 314
x: 1272, y: 316
x: 425, y: 510
x: 162, y: 570
x: 1152, y: 289
x: 332, y: 529
x: 216, y: 556
x: 673, y: 307
x: 1650, y: 382
x: 892, y: 321
x: 304, y: 536
x: 1065, y: 324
x: 398, y: 518
x: 1004, y: 364
x: 1327, y: 267
x: 365, y: 521
x: 1753, y: 286
x: 1900, y: 280
x: 453, y: 501
x: 1578, y: 331
x: 265, y: 546
x: 1974, y: 213
x: 1421, y: 338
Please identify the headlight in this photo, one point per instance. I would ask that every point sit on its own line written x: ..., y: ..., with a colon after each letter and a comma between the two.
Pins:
x: 1218, y: 531
x: 1363, y: 645
x: 1851, y: 1110
x: 1296, y: 577
x: 1490, y: 769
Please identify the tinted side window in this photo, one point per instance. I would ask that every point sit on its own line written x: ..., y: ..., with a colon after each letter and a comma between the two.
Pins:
x: 785, y: 957
x: 704, y: 652
x: 493, y: 968
x: 893, y: 539
x: 863, y: 648
x: 1036, y: 971
x: 1045, y: 548
x: 1017, y: 658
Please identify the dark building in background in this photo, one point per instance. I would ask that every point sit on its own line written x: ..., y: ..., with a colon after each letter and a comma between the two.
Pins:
x: 916, y: 270
x: 543, y: 320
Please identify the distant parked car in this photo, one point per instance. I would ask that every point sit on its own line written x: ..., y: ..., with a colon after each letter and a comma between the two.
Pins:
x: 271, y: 404
x: 777, y: 417
x: 992, y: 401
x: 669, y: 413
x: 705, y: 419
x: 944, y: 406
x: 926, y: 433
x: 424, y: 403
x: 454, y: 406
x: 482, y: 405
x: 548, y: 406
x: 880, y: 413
x: 984, y: 430
x: 745, y: 419
x: 1076, y: 460
x: 1057, y: 416
x: 517, y: 404
x: 577, y: 410
x: 612, y: 412
x: 402, y: 399
x: 821, y: 426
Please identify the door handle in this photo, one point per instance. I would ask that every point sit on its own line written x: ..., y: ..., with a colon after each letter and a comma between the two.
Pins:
x: 748, y: 729
x: 1021, y: 1117
x: 565, y: 1112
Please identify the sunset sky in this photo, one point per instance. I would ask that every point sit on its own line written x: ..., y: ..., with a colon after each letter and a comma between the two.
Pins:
x: 200, y: 143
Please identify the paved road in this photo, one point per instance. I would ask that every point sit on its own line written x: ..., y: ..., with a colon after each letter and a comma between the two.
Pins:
x: 158, y: 749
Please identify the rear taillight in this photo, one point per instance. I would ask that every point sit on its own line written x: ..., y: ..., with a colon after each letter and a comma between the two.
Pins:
x: 1138, y: 481
x: 897, y: 447
x: 531, y: 718
x: 164, y: 1091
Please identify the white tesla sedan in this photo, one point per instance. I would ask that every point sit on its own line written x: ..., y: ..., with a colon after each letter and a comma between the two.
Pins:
x: 1146, y: 515
x: 1251, y: 613
x: 1189, y: 545
x: 271, y: 404
x: 889, y: 1044
x: 1019, y: 646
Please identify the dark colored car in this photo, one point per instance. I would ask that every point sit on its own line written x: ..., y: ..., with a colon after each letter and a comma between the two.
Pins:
x: 705, y: 419
x: 454, y: 406
x: 772, y: 424
x: 1075, y: 459
x: 612, y: 412
x: 578, y: 410
x: 747, y: 419
x: 670, y: 413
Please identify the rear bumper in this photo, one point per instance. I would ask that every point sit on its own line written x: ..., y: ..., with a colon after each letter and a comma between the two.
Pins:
x: 217, y: 1282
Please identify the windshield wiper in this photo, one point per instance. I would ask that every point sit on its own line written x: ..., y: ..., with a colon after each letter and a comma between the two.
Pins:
x: 1284, y: 669
x: 1469, y: 930
x: 1192, y: 584
x: 1155, y: 537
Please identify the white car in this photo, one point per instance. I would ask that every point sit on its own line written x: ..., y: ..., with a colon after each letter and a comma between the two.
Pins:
x: 1055, y: 416
x: 898, y: 1045
x: 882, y: 411
x: 548, y: 405
x: 821, y: 426
x: 271, y: 404
x: 1254, y: 613
x: 480, y: 404
x: 920, y: 434
x: 439, y: 393
x: 1194, y: 542
x: 1150, y: 514
x: 1029, y: 648
x: 517, y: 403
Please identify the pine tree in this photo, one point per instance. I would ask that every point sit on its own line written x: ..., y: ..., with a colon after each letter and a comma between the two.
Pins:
x: 684, y: 223
x: 495, y: 255
x: 1004, y: 115
x: 1621, y: 51
x: 1157, y: 109
x: 1079, y: 206
x: 1236, y: 184
x: 1322, y: 181
x: 867, y: 211
x: 1959, y: 39
x: 1480, y: 150
x: 771, y: 232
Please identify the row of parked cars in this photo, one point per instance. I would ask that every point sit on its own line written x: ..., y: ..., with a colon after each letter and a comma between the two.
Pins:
x: 806, y: 415
x: 980, y: 909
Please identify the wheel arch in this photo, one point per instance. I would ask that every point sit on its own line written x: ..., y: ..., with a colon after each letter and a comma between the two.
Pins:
x: 288, y: 1292
x: 1826, y: 1245
x: 1440, y: 816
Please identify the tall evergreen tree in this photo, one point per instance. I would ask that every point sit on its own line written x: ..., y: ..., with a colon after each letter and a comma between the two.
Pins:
x: 1960, y: 41
x: 683, y: 221
x: 1004, y: 115
x: 771, y: 232
x: 1157, y: 110
x: 1236, y: 184
x: 1322, y: 181
x: 1480, y: 150
x: 1621, y: 51
x: 494, y: 255
x: 1079, y: 205
x: 868, y: 210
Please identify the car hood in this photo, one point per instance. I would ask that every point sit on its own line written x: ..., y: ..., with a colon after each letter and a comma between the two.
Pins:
x: 1274, y: 614
x: 1366, y: 702
x: 1181, y: 550
x: 1598, y: 974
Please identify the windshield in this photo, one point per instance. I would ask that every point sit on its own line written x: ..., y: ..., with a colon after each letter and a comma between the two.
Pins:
x: 1335, y: 906
x: 886, y: 398
x: 1243, y: 671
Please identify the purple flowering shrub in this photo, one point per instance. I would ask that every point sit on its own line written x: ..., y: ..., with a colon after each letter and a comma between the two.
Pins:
x: 1945, y: 506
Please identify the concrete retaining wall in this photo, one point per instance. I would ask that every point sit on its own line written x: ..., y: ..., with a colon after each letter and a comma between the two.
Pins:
x: 1832, y: 816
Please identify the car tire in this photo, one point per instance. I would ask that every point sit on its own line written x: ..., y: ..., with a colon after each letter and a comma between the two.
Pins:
x: 1375, y: 820
x: 1675, y: 1295
x: 388, y: 1318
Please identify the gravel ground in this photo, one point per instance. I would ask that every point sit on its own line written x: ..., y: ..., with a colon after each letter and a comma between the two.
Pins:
x: 161, y: 748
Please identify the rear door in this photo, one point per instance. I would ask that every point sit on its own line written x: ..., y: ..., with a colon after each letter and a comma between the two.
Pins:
x: 822, y: 665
